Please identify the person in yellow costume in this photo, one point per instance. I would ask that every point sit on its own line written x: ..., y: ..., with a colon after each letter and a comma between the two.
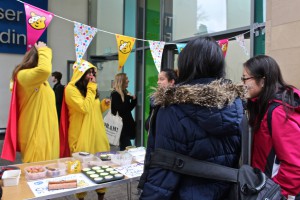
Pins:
x: 86, y: 127
x: 38, y: 133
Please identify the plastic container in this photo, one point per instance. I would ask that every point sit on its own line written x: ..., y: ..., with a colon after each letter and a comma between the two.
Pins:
x: 56, y: 169
x: 65, y: 161
x: 121, y: 159
x: 35, y: 172
x: 138, y: 154
x: 94, y: 161
x: 11, y: 177
x: 82, y: 156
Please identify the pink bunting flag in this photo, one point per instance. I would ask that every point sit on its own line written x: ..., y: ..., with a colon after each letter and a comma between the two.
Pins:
x: 157, y: 48
x: 37, y: 20
x: 224, y: 45
x: 83, y: 35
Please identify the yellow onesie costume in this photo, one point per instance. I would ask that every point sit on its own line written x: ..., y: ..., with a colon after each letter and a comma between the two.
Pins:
x: 38, y: 134
x: 86, y: 126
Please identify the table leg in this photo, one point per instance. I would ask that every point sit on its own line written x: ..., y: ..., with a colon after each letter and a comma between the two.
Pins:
x: 129, y: 190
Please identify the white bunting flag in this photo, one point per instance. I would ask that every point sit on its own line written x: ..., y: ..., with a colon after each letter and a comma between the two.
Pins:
x: 157, y: 48
x: 83, y: 35
x: 241, y: 40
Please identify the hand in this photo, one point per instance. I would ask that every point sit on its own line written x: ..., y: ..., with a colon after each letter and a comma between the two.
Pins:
x: 133, y: 97
x: 107, y: 102
x: 93, y: 79
x: 39, y: 44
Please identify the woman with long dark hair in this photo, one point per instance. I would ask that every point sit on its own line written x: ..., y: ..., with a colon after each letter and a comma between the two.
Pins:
x: 276, y: 153
x: 199, y: 117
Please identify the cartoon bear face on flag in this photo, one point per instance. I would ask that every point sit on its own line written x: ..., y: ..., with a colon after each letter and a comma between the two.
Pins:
x: 125, y: 47
x: 37, y: 22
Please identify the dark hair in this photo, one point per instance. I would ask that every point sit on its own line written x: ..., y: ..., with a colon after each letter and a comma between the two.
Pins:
x: 265, y: 67
x: 30, y: 60
x: 171, y: 74
x: 81, y: 84
x: 57, y: 75
x: 201, y: 58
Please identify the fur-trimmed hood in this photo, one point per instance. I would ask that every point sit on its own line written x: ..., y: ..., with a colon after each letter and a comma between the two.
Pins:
x: 217, y: 93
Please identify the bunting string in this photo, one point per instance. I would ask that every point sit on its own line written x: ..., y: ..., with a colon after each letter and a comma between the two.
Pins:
x: 39, y: 19
x: 104, y: 31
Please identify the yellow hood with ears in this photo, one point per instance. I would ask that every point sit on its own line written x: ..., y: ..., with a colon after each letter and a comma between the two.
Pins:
x: 79, y: 70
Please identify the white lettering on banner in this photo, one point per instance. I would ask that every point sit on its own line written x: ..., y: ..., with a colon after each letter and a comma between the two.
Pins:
x: 10, y: 14
x: 11, y: 37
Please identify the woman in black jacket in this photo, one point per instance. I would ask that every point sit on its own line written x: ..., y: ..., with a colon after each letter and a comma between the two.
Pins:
x: 123, y: 103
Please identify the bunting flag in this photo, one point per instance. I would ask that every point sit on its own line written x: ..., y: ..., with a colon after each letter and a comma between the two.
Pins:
x: 224, y: 45
x: 125, y: 45
x: 180, y: 46
x: 83, y: 35
x: 37, y: 20
x: 157, y: 48
x: 241, y: 40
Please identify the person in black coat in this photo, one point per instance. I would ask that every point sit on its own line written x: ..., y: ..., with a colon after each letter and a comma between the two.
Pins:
x: 123, y: 103
x: 58, y: 90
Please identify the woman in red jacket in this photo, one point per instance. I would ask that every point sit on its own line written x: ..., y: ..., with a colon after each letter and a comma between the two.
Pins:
x: 275, y: 148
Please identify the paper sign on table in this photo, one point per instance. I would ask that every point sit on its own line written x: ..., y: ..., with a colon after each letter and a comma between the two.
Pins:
x: 131, y: 171
x: 40, y: 187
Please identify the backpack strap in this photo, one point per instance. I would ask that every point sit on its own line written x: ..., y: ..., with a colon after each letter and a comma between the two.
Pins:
x: 272, y: 106
x: 187, y: 165
x: 246, y: 141
x: 272, y: 154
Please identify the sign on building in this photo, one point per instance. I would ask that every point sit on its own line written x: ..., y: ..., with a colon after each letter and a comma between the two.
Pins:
x: 13, y: 25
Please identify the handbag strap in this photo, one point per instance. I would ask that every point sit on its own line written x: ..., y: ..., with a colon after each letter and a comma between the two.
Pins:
x: 187, y: 165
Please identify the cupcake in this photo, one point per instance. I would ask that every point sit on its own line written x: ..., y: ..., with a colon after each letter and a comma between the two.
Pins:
x: 119, y: 175
x: 96, y: 168
x: 86, y: 169
x: 98, y: 179
x: 100, y: 171
x: 109, y: 177
x: 94, y: 175
x: 104, y: 174
x: 104, y: 157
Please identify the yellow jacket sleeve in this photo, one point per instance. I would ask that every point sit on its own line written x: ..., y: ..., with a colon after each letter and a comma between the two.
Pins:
x: 80, y: 104
x: 33, y: 77
x: 104, y: 106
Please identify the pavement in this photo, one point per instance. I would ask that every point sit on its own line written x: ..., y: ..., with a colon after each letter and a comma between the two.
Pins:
x: 117, y: 192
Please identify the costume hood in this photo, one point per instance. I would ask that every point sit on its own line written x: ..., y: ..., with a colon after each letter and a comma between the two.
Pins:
x: 218, y: 93
x: 79, y: 70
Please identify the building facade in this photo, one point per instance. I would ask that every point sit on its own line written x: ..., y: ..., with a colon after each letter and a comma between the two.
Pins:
x: 172, y: 21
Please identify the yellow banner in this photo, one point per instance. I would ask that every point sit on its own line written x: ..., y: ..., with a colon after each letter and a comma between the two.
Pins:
x: 125, y: 45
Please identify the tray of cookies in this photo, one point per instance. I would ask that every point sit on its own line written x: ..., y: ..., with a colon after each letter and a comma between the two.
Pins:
x: 102, y: 174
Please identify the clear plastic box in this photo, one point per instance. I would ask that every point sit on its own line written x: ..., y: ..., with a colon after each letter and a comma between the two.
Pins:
x: 35, y: 172
x: 11, y: 177
x: 82, y: 156
x: 94, y: 161
x: 121, y: 159
x: 56, y: 169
